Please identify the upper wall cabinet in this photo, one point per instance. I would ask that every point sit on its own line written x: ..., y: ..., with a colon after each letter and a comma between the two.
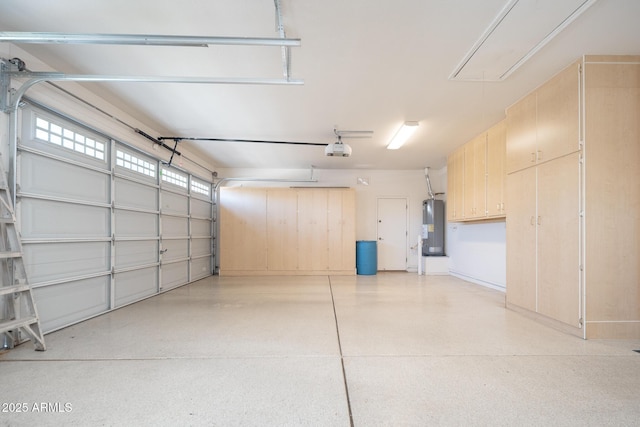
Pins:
x: 476, y: 177
x: 545, y: 124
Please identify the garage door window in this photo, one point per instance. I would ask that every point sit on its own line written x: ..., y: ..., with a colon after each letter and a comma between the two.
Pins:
x: 174, y: 178
x: 53, y: 133
x: 131, y: 162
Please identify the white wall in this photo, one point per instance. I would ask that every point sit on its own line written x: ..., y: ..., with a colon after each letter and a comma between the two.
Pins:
x: 477, y: 252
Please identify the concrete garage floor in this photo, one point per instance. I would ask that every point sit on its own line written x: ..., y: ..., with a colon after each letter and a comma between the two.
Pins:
x: 395, y: 349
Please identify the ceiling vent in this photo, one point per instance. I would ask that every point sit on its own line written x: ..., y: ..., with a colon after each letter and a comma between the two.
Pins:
x: 520, y: 30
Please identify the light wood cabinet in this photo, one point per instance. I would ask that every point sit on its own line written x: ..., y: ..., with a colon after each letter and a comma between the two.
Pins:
x: 476, y: 178
x: 312, y: 230
x: 496, y: 170
x: 287, y: 231
x: 545, y: 124
x: 282, y: 217
x: 341, y: 229
x: 573, y: 214
x: 475, y: 155
x: 243, y: 228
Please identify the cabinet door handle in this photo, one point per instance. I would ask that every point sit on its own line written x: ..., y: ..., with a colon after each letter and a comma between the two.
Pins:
x: 532, y: 220
x: 539, y: 220
x: 539, y: 155
x: 533, y: 157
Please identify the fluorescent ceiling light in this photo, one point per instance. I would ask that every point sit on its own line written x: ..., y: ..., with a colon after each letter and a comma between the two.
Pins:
x: 403, y: 134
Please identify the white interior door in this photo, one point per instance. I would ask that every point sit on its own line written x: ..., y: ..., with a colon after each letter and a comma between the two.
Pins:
x: 392, y: 234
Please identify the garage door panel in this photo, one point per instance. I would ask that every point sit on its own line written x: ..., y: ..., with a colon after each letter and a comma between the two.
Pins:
x: 134, y: 285
x: 200, y: 208
x: 54, y: 261
x: 135, y: 195
x: 67, y: 303
x: 175, y: 274
x: 200, y: 247
x: 173, y: 203
x: 48, y: 219
x: 200, y: 268
x: 53, y: 178
x: 175, y: 249
x: 135, y: 224
x: 200, y: 227
x: 173, y: 226
x: 133, y: 253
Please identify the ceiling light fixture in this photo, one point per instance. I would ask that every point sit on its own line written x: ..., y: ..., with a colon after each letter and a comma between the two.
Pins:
x: 403, y: 134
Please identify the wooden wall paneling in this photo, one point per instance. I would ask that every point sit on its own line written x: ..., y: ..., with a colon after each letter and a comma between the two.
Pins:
x: 496, y: 173
x: 521, y: 134
x: 521, y: 239
x: 243, y: 229
x: 282, y: 226
x: 312, y: 230
x: 558, y: 115
x: 612, y: 200
x: 558, y: 252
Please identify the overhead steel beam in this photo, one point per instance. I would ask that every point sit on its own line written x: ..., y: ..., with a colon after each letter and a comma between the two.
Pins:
x: 141, y: 39
x: 36, y: 77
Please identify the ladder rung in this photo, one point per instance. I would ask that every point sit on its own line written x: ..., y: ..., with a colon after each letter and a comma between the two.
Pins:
x: 18, y: 323
x: 5, y: 290
x: 4, y: 255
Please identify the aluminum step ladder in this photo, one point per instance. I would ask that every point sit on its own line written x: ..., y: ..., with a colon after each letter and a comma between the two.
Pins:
x: 19, y: 317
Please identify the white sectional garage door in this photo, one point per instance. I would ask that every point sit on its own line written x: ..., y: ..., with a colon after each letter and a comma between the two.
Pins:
x: 103, y: 224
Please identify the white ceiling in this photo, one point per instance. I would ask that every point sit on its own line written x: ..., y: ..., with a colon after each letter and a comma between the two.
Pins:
x: 366, y: 65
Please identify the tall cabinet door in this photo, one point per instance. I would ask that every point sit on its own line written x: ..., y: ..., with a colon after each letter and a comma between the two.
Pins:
x: 312, y: 230
x: 243, y: 229
x: 496, y: 138
x: 282, y: 224
x: 521, y: 239
x: 521, y: 134
x: 558, y: 254
x: 341, y: 229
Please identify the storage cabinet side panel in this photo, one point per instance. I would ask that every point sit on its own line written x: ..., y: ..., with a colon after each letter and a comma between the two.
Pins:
x: 612, y: 202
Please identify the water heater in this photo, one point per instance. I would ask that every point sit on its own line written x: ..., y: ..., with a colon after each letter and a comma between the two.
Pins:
x: 433, y: 227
